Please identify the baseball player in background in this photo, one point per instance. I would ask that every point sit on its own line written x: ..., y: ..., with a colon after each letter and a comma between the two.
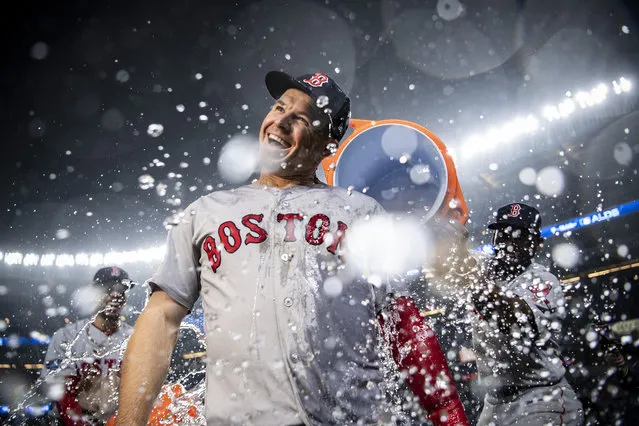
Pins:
x: 517, y: 310
x: 281, y: 349
x: 84, y: 357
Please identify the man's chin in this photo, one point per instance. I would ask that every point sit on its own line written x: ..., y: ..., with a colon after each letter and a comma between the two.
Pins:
x: 274, y: 164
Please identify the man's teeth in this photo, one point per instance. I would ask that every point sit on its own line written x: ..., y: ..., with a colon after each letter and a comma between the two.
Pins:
x: 278, y: 140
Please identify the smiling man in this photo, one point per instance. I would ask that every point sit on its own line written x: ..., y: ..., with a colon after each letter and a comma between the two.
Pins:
x: 291, y: 338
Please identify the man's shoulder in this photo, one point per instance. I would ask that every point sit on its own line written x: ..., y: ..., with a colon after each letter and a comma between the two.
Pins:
x: 70, y: 330
x: 352, y: 196
x: 539, y: 272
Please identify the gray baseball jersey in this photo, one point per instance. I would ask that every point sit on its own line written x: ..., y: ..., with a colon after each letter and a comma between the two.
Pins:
x: 80, y: 348
x: 280, y: 348
x: 505, y: 362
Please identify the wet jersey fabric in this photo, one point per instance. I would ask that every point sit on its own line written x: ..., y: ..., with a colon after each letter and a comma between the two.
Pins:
x: 80, y: 346
x: 537, y: 406
x: 284, y: 345
x: 80, y: 349
x: 504, y: 362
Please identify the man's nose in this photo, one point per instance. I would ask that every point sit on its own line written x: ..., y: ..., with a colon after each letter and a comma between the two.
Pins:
x: 284, y: 122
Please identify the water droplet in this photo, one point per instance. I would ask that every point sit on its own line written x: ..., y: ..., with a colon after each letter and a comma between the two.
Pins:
x: 528, y: 176
x: 333, y: 286
x: 420, y: 174
x: 146, y: 181
x: 40, y: 50
x: 180, y: 107
x: 566, y: 255
x: 550, y: 181
x: 622, y: 250
x: 622, y: 152
x: 155, y: 129
x: 322, y: 101
x: 122, y: 76
x: 62, y: 234
x: 160, y: 189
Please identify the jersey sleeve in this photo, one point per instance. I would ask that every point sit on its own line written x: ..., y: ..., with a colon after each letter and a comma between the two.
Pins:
x: 542, y: 292
x: 178, y: 275
x: 55, y: 361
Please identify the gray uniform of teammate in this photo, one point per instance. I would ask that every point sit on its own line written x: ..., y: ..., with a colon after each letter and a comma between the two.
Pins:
x: 280, y: 349
x: 523, y: 377
x: 518, y: 356
x: 79, y: 349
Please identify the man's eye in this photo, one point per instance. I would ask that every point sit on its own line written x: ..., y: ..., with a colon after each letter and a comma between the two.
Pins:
x: 302, y: 120
x: 278, y: 108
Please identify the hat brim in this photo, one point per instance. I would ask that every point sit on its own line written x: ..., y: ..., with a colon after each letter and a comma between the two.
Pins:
x: 278, y: 82
x: 125, y: 282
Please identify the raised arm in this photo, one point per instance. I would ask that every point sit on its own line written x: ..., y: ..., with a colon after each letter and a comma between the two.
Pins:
x: 147, y: 358
x: 458, y: 273
x: 416, y: 352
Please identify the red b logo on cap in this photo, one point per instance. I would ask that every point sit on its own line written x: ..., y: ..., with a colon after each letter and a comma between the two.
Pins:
x: 317, y: 80
x: 514, y: 210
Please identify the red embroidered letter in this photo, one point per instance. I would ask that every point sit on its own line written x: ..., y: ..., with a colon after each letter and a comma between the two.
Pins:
x: 234, y: 235
x: 314, y: 228
x: 290, y: 225
x: 261, y: 233
x: 514, y: 210
x: 338, y: 237
x: 212, y: 252
x: 317, y: 79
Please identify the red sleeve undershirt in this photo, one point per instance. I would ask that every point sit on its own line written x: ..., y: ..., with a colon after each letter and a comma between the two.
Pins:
x: 422, y: 354
x: 68, y: 406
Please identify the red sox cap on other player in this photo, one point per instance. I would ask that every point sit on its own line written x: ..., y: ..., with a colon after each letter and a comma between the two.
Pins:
x: 113, y: 276
x: 518, y: 215
x: 328, y: 96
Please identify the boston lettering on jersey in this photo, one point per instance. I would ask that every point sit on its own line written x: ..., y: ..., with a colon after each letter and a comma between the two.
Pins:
x: 230, y: 234
x: 83, y: 368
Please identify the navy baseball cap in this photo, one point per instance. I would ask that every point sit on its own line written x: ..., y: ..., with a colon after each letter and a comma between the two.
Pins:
x: 328, y: 96
x: 113, y: 277
x: 518, y: 215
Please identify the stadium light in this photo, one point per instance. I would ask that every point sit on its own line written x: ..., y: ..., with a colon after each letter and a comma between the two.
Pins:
x: 519, y: 126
